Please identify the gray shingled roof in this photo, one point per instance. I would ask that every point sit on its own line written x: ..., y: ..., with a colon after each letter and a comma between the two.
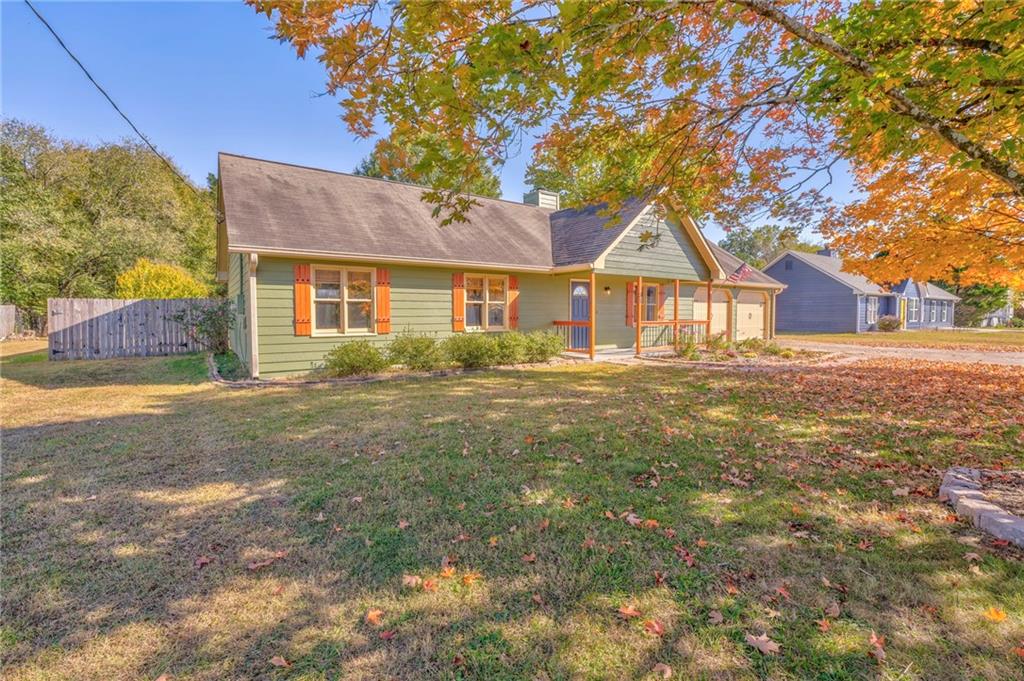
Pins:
x: 833, y: 267
x: 932, y: 291
x: 274, y: 206
x: 730, y: 263
x: 279, y: 207
x: 580, y: 235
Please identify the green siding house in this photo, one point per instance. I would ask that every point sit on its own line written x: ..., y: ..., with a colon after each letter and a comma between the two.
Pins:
x: 313, y: 258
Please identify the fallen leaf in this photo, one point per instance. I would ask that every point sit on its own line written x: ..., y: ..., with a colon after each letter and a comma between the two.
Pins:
x: 447, y: 572
x: 461, y: 538
x: 493, y: 541
x: 715, y: 617
x: 662, y: 670
x: 387, y: 635
x: 702, y: 542
x: 543, y: 524
x: 659, y: 578
x: 537, y: 599
x: 430, y: 585
x: 202, y: 560
x: 402, y: 524
x: 256, y: 565
x: 865, y: 545
x: 762, y: 643
x: 901, y: 491
x: 629, y: 611
x: 163, y: 677
x: 823, y: 625
x: 877, y: 647
x: 832, y: 610
x: 470, y: 577
x: 588, y: 543
x: 411, y: 580
x: 784, y: 592
x: 279, y: 661
x: 374, y: 617
x: 651, y: 523
x: 995, y: 614
x: 357, y: 500
x: 654, y: 627
x: 529, y: 557
x: 633, y: 520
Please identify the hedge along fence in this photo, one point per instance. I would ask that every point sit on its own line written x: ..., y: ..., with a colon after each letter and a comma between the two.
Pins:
x: 104, y: 328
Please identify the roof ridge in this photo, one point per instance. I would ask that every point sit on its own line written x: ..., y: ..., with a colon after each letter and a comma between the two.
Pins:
x: 378, y: 179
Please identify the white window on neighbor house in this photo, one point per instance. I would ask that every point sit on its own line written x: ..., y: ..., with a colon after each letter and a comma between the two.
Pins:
x: 945, y: 311
x: 342, y: 301
x: 913, y: 309
x: 872, y: 309
x: 486, y: 302
x: 933, y: 312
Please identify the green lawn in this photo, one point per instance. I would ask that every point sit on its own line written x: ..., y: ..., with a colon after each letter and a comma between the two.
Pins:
x: 989, y: 339
x: 157, y: 524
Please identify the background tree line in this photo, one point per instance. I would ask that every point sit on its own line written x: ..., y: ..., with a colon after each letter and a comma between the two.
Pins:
x: 74, y: 217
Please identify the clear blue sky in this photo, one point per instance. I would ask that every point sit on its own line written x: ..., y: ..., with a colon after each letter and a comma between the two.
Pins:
x: 197, y: 78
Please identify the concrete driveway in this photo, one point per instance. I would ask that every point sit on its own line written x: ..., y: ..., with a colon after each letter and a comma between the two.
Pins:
x: 910, y: 353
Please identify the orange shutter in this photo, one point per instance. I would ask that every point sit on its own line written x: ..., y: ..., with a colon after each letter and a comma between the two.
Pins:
x: 513, y: 302
x: 303, y: 325
x: 458, y: 301
x: 383, y: 300
x: 630, y: 302
x: 661, y: 301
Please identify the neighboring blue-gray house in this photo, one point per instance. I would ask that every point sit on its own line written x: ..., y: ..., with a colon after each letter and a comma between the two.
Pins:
x: 820, y: 296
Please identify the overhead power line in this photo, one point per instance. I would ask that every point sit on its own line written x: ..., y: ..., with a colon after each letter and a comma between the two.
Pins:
x: 170, y: 166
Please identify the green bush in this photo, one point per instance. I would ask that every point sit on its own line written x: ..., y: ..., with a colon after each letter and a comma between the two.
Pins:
x: 542, y: 346
x: 471, y: 350
x: 230, y: 367
x: 418, y: 353
x: 510, y: 348
x: 888, y: 323
x: 687, y: 348
x: 354, y: 358
x: 208, y: 323
x: 719, y: 343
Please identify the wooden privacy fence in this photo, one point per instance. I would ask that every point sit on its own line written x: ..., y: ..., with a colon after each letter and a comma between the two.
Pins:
x: 8, y: 320
x: 101, y: 328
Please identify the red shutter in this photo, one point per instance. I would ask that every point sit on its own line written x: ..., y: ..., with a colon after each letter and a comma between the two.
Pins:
x: 513, y: 302
x: 458, y: 301
x: 383, y: 300
x: 302, y: 312
x: 630, y: 302
x: 661, y: 301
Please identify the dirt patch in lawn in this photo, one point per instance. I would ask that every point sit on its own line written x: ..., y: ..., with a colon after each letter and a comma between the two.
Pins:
x: 1005, y: 489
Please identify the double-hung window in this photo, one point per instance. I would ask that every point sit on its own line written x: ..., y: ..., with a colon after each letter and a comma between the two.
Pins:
x: 872, y: 309
x: 486, y: 302
x: 342, y: 301
x: 913, y: 308
x: 652, y: 301
x: 931, y: 306
x: 944, y: 310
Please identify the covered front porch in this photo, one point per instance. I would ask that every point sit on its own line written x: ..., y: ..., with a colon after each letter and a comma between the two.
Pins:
x: 629, y: 316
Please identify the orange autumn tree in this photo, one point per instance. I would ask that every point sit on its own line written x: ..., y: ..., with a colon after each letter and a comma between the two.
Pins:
x: 733, y: 109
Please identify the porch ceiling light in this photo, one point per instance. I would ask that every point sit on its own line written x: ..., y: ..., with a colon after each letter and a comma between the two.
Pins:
x: 607, y: 290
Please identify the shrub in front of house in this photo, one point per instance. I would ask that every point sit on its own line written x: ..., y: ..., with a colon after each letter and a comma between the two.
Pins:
x: 471, y: 350
x: 686, y: 348
x: 209, y: 323
x: 888, y: 323
x: 543, y: 346
x: 418, y: 353
x: 355, y: 358
x: 510, y: 348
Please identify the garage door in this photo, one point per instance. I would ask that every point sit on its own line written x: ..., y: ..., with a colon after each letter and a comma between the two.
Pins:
x: 719, y: 309
x: 749, y: 315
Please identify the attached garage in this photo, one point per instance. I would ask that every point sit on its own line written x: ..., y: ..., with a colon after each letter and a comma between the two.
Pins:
x: 720, y: 309
x: 750, y: 315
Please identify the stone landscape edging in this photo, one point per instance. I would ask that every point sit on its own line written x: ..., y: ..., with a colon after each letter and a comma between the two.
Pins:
x: 961, y: 487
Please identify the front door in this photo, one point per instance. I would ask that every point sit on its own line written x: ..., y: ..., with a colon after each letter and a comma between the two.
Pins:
x: 579, y: 311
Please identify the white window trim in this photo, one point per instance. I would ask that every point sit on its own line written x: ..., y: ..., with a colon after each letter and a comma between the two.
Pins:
x: 872, y: 314
x: 466, y: 302
x: 945, y: 307
x: 913, y: 309
x: 343, y: 302
x: 933, y: 315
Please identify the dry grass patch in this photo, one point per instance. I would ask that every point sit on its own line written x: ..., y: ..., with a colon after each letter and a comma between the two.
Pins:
x: 560, y: 522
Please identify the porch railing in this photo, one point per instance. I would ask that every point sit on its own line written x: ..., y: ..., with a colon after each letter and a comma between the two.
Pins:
x: 571, y: 338
x: 662, y: 334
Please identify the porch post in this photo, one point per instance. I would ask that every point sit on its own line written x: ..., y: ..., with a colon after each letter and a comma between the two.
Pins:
x: 708, y: 332
x: 593, y: 312
x: 639, y: 312
x: 675, y: 314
